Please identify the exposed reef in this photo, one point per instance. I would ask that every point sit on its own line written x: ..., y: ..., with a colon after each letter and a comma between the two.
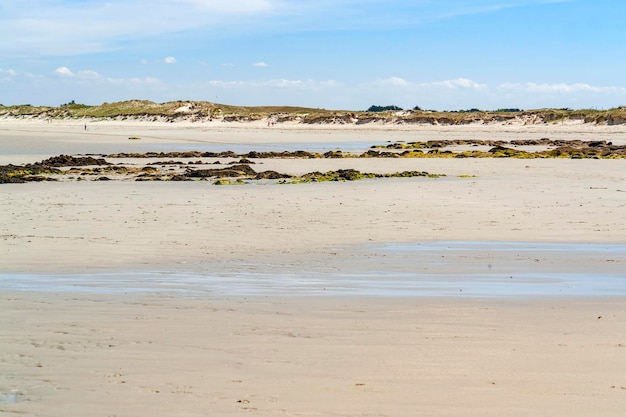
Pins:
x: 574, y: 149
x: 174, y: 166
x: 94, y: 169
x: 44, y: 170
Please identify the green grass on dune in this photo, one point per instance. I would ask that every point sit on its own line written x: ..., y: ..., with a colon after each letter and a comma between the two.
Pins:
x: 207, y: 110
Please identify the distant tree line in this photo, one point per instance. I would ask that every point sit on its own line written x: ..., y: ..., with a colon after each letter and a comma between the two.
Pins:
x: 74, y: 105
x: 475, y: 110
x: 376, y: 108
x: 508, y: 110
x: 383, y: 108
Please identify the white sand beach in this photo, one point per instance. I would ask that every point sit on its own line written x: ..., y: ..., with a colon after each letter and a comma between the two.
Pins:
x: 161, y: 353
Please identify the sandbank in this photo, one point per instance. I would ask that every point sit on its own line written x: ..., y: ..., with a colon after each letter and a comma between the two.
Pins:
x: 170, y: 351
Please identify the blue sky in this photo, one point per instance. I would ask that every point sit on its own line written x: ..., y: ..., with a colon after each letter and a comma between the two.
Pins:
x: 334, y: 54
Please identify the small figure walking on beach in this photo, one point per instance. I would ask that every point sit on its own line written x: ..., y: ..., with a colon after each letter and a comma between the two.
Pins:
x: 85, y: 126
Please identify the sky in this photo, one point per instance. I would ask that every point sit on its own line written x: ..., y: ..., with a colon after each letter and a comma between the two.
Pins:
x: 333, y: 54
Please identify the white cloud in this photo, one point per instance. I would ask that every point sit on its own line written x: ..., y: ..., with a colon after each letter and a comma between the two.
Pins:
x: 83, y: 75
x: 473, y: 8
x: 387, y: 83
x: 231, y: 6
x: 170, y: 60
x: 300, y: 84
x: 457, y: 83
x: 93, y: 77
x: 8, y: 72
x: 559, y: 88
x: 284, y: 83
x: 67, y: 27
x: 226, y: 84
x: 260, y: 64
x: 136, y: 80
x: 279, y: 83
x: 64, y: 72
x: 395, y: 81
x: 88, y: 74
x: 70, y: 27
x: 329, y: 83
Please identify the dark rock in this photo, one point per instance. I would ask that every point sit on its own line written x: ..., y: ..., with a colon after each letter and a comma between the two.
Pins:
x: 333, y: 154
x: 230, y: 172
x: 8, y: 179
x: 271, y: 175
x: 71, y: 161
x: 349, y: 174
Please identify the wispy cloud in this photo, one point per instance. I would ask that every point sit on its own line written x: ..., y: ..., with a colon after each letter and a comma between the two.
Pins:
x: 277, y: 83
x: 260, y: 64
x: 511, y: 87
x: 7, y: 75
x: 170, y: 60
x: 226, y: 84
x: 393, y: 81
x: 475, y: 7
x: 148, y: 81
x: 67, y: 27
x: 462, y: 83
x: 231, y: 6
x: 93, y: 77
x: 8, y: 72
x: 64, y: 72
x: 459, y: 83
x: 559, y: 88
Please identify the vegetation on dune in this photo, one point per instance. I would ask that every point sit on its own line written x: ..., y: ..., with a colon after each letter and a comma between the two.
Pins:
x: 203, y: 110
x: 134, y: 108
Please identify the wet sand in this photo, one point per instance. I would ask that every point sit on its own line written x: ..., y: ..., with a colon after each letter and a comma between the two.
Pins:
x: 71, y: 354
x: 127, y: 353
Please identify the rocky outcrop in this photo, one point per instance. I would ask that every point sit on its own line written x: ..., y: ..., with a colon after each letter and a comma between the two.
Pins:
x: 72, y: 161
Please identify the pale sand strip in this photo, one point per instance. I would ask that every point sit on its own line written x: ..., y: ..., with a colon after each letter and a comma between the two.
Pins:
x: 38, y: 138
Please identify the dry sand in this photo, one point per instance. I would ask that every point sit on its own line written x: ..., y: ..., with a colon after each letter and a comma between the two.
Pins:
x: 171, y: 353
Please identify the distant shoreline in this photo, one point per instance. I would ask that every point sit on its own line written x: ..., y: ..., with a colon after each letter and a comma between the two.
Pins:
x: 194, y: 111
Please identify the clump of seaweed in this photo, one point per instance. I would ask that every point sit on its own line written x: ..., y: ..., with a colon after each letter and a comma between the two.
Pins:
x: 225, y: 181
x: 575, y: 149
x: 14, y: 174
x: 42, y: 171
x: 353, y: 175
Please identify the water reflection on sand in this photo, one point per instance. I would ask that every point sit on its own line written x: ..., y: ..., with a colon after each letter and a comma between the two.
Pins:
x: 468, y: 269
